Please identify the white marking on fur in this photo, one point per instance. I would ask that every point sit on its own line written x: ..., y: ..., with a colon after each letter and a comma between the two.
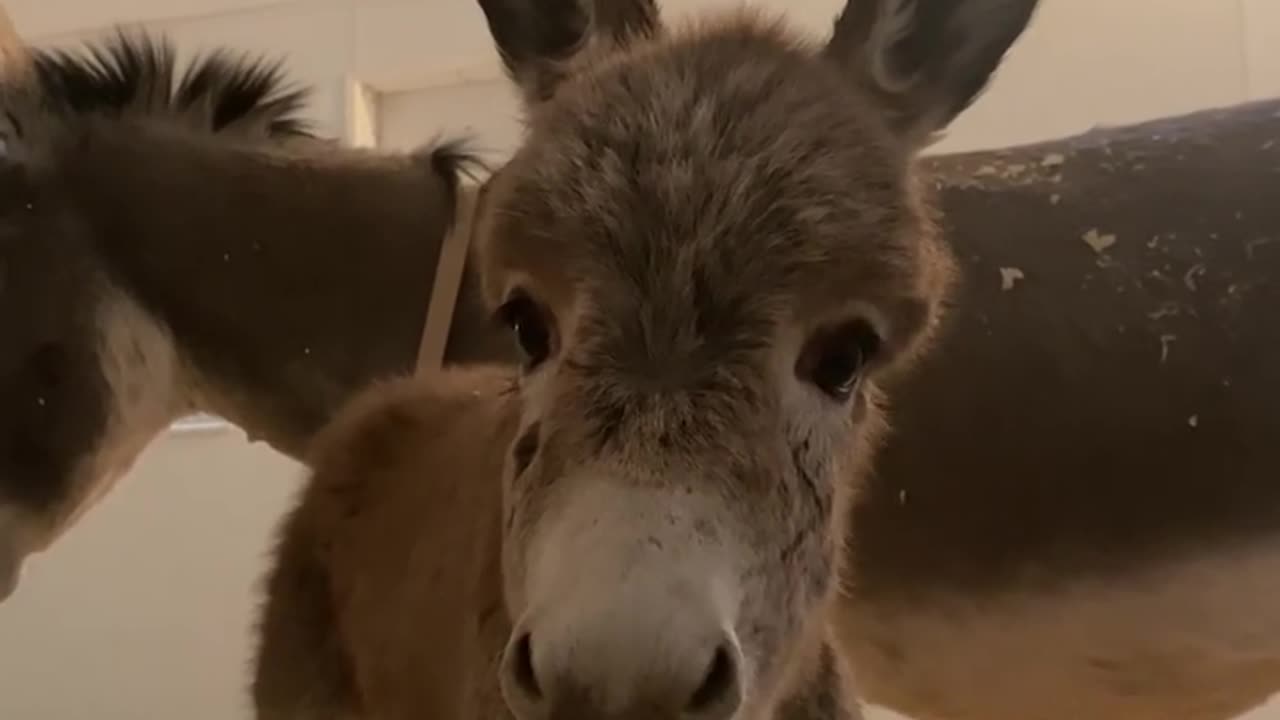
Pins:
x: 142, y: 369
x: 141, y: 365
x: 1009, y: 276
x: 1196, y: 639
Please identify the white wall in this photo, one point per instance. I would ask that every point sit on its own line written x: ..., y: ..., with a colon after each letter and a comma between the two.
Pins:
x: 145, y: 609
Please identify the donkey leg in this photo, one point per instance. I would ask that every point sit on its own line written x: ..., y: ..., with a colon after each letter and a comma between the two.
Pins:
x: 301, y: 673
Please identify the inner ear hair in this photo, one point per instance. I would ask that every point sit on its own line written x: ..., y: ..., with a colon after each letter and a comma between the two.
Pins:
x: 925, y: 60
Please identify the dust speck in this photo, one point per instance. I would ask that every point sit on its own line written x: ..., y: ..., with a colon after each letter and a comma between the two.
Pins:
x: 1009, y: 276
x: 1054, y: 199
x: 1099, y: 241
x: 1254, y: 244
x: 1165, y: 342
x: 1192, y: 276
x: 1193, y: 421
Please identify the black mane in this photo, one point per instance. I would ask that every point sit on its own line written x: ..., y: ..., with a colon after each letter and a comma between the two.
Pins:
x: 132, y: 72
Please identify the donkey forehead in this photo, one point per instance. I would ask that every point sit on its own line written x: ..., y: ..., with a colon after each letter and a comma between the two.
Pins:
x: 730, y: 164
x: 732, y: 108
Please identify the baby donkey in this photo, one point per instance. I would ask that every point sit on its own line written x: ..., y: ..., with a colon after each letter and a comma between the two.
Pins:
x: 711, y: 248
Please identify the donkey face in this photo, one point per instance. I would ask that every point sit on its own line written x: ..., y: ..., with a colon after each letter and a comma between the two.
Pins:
x: 82, y: 370
x: 51, y: 388
x: 87, y: 376
x: 77, y: 359
x: 710, y: 248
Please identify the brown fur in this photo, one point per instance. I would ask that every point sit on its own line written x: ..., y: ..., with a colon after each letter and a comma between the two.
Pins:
x: 1111, y: 537
x: 407, y: 470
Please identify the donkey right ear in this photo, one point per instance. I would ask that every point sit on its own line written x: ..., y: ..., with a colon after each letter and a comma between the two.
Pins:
x: 538, y: 40
x: 925, y: 60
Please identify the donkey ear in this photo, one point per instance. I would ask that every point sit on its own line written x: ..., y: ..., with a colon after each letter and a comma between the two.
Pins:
x: 538, y: 40
x: 927, y: 60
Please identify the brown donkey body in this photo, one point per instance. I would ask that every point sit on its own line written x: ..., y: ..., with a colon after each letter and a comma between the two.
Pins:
x: 1077, y: 511
x: 1116, y: 554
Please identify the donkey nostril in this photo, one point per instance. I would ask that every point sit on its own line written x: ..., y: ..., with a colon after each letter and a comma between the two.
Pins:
x: 522, y: 668
x: 719, y: 683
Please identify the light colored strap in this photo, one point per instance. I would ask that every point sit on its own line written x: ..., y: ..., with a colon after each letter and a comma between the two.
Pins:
x: 14, y: 54
x: 448, y: 280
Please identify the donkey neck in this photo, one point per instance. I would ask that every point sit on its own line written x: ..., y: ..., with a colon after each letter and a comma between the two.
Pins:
x: 280, y: 313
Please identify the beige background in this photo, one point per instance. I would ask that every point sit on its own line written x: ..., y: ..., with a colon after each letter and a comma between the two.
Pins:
x: 144, y: 610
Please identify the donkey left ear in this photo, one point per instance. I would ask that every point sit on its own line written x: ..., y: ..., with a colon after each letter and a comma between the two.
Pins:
x: 539, y: 39
x: 927, y: 60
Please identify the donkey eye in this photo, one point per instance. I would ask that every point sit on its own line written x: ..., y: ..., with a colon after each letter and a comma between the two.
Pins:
x: 834, y: 359
x: 529, y: 324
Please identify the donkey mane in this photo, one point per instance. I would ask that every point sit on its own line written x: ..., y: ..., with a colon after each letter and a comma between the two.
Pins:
x: 135, y: 72
x: 221, y: 92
